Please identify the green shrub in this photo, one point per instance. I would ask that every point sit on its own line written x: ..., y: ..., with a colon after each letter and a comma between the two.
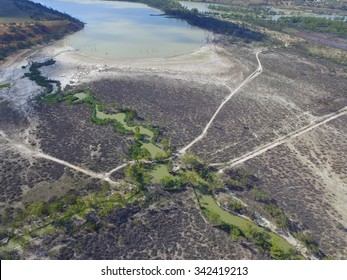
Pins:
x: 236, y: 206
x: 235, y: 233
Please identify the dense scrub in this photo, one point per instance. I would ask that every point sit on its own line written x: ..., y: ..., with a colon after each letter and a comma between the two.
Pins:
x: 323, y: 25
x: 175, y: 9
x: 35, y: 75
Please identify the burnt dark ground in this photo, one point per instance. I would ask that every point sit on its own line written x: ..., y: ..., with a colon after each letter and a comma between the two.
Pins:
x: 64, y: 131
x: 11, y: 121
x: 272, y: 105
x: 280, y: 100
x: 307, y: 178
x: 181, y: 108
x: 292, y: 90
x: 67, y: 132
x: 172, y: 227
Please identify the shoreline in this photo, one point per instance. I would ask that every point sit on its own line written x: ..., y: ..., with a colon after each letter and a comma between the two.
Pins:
x: 201, y: 65
x: 209, y: 64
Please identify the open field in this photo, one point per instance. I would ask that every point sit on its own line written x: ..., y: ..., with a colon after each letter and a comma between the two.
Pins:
x: 162, y: 100
x: 66, y: 132
x: 86, y: 144
x: 276, y: 103
x: 305, y: 177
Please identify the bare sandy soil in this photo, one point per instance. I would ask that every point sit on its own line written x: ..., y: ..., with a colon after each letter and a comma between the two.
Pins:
x: 201, y: 65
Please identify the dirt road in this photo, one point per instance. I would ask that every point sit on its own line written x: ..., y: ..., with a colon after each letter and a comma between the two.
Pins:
x: 27, y: 151
x: 262, y: 149
x: 256, y: 73
x: 36, y: 154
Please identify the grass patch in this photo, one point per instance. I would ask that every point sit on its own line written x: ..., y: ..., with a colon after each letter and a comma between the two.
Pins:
x: 50, y: 229
x: 81, y: 96
x: 5, y: 86
x: 153, y: 149
x: 221, y: 217
x: 122, y: 126
x: 205, y: 182
x: 10, y: 246
x: 159, y: 172
x: 122, y: 121
x: 51, y: 98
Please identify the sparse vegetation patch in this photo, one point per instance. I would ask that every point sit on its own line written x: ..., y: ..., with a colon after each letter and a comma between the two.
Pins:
x: 4, y: 86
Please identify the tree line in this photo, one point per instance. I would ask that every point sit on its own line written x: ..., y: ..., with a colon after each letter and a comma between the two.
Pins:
x: 194, y: 17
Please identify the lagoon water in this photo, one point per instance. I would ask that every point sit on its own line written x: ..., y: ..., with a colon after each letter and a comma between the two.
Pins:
x: 127, y: 30
x: 200, y: 6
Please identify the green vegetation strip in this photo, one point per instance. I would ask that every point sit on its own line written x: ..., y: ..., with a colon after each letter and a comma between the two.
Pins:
x: 5, y: 85
x: 147, y: 135
x: 36, y: 76
x: 144, y: 146
x: 69, y: 213
x: 159, y: 173
x: 239, y: 227
x: 207, y: 201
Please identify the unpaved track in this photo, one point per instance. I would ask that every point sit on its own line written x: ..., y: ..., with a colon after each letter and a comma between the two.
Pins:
x: 36, y: 154
x: 108, y: 174
x: 318, y: 122
x: 131, y: 162
x: 256, y: 73
x: 79, y: 169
